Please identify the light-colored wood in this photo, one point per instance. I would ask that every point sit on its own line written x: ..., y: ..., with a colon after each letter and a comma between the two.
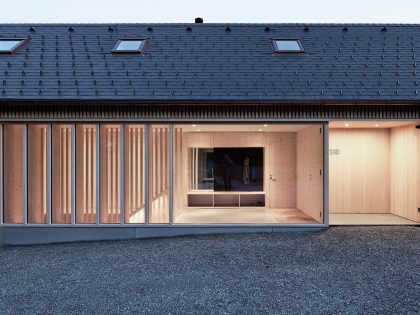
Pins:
x: 193, y: 139
x: 37, y: 173
x: 158, y: 174
x: 199, y: 140
x: 13, y: 173
x: 365, y: 124
x: 310, y: 172
x: 86, y: 173
x: 179, y: 172
x: 359, y: 171
x: 110, y: 177
x: 281, y: 171
x: 418, y: 175
x: 134, y: 173
x: 61, y: 174
x: 404, y: 172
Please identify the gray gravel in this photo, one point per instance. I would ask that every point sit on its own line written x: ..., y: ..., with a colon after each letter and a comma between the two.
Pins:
x: 354, y: 270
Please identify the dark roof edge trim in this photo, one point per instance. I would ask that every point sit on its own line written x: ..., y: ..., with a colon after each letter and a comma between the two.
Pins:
x: 61, y: 102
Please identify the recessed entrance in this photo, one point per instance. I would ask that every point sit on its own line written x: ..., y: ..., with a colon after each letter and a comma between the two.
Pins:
x: 248, y: 174
x: 374, y: 173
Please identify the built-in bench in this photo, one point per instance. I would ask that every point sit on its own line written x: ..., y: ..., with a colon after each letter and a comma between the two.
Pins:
x: 212, y: 199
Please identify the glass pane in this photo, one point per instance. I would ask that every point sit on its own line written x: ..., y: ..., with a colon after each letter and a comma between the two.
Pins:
x: 13, y: 173
x: 134, y: 177
x: 159, y: 174
x: 8, y: 45
x: 129, y: 45
x: 110, y: 177
x: 288, y: 45
x: 37, y: 173
x: 61, y: 173
x: 248, y: 174
x: 86, y: 173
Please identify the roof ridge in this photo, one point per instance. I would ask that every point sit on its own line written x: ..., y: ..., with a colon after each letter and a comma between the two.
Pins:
x: 300, y: 24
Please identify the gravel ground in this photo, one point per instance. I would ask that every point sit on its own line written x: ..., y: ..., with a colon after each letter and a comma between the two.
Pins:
x: 354, y: 270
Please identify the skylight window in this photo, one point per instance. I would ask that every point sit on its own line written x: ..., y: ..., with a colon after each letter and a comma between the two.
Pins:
x: 288, y: 45
x: 129, y: 46
x: 8, y: 46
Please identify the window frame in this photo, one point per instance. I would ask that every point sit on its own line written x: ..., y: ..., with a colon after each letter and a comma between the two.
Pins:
x: 280, y: 51
x: 12, y: 50
x: 137, y: 51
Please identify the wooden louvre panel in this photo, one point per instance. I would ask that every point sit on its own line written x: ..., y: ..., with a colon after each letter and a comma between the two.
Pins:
x: 159, y: 174
x: 13, y: 137
x: 134, y: 155
x: 37, y: 173
x: 61, y: 174
x: 86, y: 174
x: 110, y: 177
x: 206, y: 111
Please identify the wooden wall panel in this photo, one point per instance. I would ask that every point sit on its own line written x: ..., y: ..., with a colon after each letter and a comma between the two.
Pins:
x: 404, y: 172
x: 359, y: 172
x: 37, y: 173
x: 110, y: 177
x: 310, y: 172
x: 182, y: 173
x: 134, y: 192
x: 86, y: 173
x: 280, y: 165
x: 159, y: 174
x: 418, y: 175
x: 198, y: 140
x: 13, y: 173
x: 61, y: 174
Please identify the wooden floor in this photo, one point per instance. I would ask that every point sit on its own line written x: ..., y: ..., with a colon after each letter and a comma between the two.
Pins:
x: 368, y: 219
x: 243, y: 216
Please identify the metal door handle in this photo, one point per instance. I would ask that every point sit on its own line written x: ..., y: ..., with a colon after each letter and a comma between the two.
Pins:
x: 271, y: 178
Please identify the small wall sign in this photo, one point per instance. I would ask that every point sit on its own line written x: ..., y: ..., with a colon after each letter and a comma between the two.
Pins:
x: 334, y: 151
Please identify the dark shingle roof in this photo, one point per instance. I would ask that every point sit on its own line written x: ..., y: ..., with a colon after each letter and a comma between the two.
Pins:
x: 207, y: 62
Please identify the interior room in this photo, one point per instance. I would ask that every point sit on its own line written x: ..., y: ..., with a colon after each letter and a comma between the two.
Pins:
x: 374, y: 173
x: 248, y: 174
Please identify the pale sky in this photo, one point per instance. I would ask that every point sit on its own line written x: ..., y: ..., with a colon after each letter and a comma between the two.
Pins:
x: 214, y: 11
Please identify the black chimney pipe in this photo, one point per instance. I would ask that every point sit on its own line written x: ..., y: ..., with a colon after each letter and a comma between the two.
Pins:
x: 198, y: 20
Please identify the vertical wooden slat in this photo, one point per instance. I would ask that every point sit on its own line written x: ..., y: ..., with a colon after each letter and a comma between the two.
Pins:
x: 140, y: 175
x: 68, y: 170
x: 85, y: 173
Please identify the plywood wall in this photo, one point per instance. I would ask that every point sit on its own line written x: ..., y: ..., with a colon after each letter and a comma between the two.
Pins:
x: 286, y: 192
x: 310, y: 172
x: 281, y: 167
x: 359, y: 170
x: 405, y: 172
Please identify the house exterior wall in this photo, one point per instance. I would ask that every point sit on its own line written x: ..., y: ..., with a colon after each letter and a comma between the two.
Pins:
x: 13, y: 234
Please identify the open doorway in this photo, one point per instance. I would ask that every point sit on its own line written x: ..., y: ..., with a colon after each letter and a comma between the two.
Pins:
x: 374, y: 173
x: 248, y: 174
